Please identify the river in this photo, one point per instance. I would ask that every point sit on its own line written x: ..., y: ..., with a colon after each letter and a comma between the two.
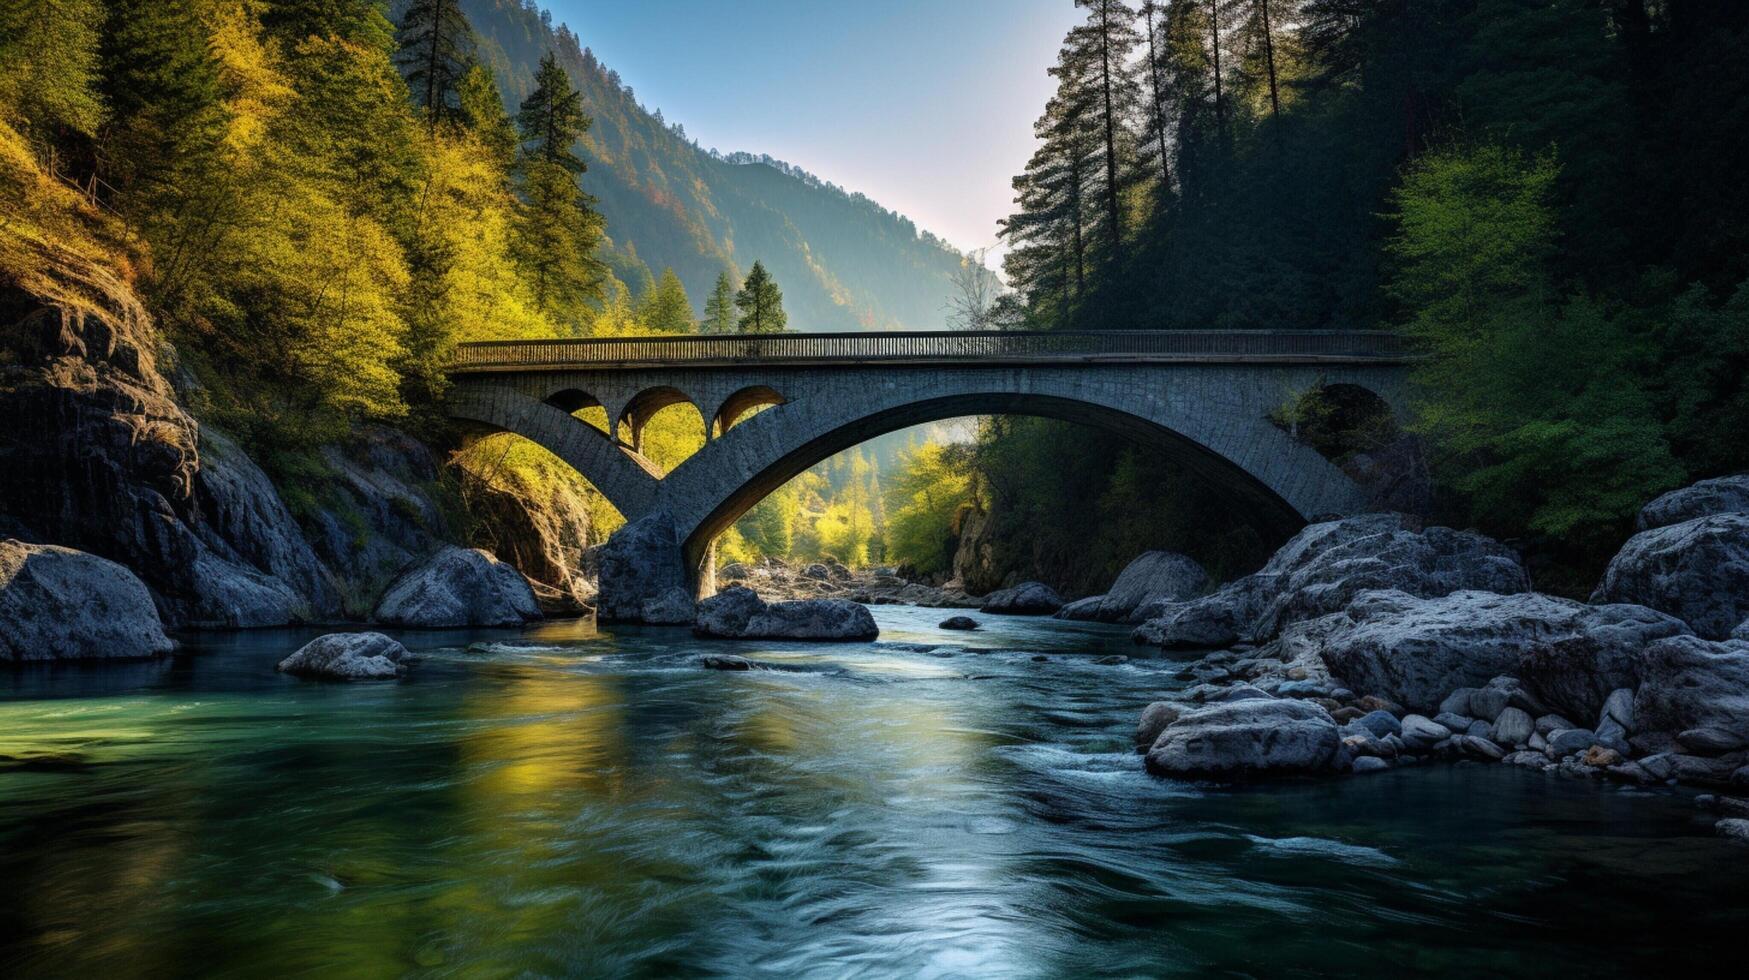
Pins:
x: 563, y: 801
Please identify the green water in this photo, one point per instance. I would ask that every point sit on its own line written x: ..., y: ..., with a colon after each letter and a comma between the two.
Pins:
x: 567, y: 802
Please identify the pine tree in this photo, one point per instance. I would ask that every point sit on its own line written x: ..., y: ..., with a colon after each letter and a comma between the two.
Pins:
x: 358, y: 21
x: 559, y: 229
x: 162, y: 87
x: 1048, y: 258
x: 482, y: 111
x: 719, y: 310
x: 437, y: 48
x: 1156, y: 131
x: 761, y: 303
x: 667, y: 308
x: 1104, y: 45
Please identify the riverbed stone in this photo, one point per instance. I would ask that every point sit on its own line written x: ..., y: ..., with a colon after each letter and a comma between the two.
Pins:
x: 1380, y: 723
x: 1420, y: 731
x: 459, y: 587
x: 1723, y: 495
x: 738, y: 613
x: 1457, y: 702
x: 673, y: 607
x: 1457, y: 723
x: 958, y: 623
x: 1155, y: 718
x: 62, y: 604
x: 1514, y: 726
x: 1369, y: 764
x: 1247, y: 738
x: 641, y: 561
x: 1025, y: 599
x: 1734, y: 829
x: 1688, y: 684
x: 1324, y: 567
x: 1576, y: 670
x: 1566, y: 741
x: 1697, y: 571
x: 1153, y: 579
x: 348, y: 657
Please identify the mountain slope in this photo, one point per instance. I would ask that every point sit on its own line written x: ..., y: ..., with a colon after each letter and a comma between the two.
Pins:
x: 844, y: 262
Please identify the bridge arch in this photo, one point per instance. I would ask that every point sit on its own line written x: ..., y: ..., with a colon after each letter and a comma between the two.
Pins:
x: 741, y: 402
x: 1278, y: 480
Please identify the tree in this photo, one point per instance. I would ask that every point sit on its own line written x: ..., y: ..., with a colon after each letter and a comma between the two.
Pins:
x: 482, y: 112
x: 437, y: 48
x: 719, y: 310
x: 1156, y: 133
x: 359, y: 21
x: 1095, y: 69
x: 559, y: 229
x: 666, y: 308
x: 760, y: 303
x: 48, y: 66
x: 974, y: 293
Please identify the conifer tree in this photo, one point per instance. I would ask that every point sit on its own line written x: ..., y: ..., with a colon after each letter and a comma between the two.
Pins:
x: 162, y: 88
x: 719, y: 310
x: 667, y: 309
x: 482, y: 111
x: 761, y: 303
x: 559, y: 230
x: 1097, y: 56
x: 437, y: 48
x: 1157, y: 128
x: 358, y: 21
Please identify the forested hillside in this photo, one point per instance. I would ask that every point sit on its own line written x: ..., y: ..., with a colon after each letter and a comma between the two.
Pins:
x: 1547, y: 194
x: 845, y: 262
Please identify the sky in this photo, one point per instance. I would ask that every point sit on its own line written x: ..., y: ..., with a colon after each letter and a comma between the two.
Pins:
x: 926, y: 106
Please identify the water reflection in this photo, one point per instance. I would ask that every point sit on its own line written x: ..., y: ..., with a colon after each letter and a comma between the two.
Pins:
x: 566, y: 801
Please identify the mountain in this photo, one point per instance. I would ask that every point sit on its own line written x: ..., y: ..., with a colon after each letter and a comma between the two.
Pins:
x: 843, y: 261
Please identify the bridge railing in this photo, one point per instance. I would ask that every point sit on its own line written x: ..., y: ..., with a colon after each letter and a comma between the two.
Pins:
x: 943, y: 345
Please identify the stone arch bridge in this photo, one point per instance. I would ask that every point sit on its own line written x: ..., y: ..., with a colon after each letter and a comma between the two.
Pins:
x: 774, y: 405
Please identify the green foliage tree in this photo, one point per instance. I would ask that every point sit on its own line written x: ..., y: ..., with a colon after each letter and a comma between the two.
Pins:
x: 559, y: 229
x: 720, y: 315
x: 436, y: 51
x: 760, y: 303
x: 667, y: 308
x: 1531, y: 403
x: 48, y: 67
x: 482, y: 111
x: 359, y: 21
x: 925, y: 498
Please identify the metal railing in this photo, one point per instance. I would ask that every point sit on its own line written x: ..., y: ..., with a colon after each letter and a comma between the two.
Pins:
x: 932, y: 346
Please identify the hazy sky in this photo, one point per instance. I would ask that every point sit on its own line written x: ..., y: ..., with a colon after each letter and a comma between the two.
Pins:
x: 924, y: 105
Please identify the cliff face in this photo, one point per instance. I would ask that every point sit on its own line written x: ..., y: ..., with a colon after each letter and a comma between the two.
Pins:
x: 100, y: 456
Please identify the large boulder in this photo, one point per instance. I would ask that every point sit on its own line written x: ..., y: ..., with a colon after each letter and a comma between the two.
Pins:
x: 738, y: 613
x: 1025, y: 599
x: 1253, y: 737
x: 1725, y: 495
x: 1326, y: 565
x: 1697, y: 570
x: 1155, y: 577
x: 458, y: 587
x: 1417, y: 651
x: 248, y: 523
x: 1688, y: 684
x: 61, y: 604
x: 640, y: 562
x: 674, y: 607
x: 1575, y: 673
x: 348, y: 657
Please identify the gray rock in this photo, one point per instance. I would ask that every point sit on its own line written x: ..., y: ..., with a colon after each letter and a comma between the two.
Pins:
x: 1457, y: 723
x: 1710, y: 741
x: 1380, y: 723
x: 1247, y: 738
x: 739, y: 613
x: 1567, y: 741
x: 1478, y: 747
x: 714, y: 662
x: 1697, y: 570
x: 1457, y: 702
x: 249, y: 522
x: 1733, y: 828
x: 1025, y: 599
x: 1419, y: 731
x: 1480, y: 729
x: 1619, y: 707
x: 231, y: 595
x: 1550, y: 722
x: 1155, y: 718
x: 61, y: 604
x: 1741, y: 632
x: 1156, y: 577
x: 641, y: 561
x: 1537, y: 742
x: 958, y: 623
x: 1241, y: 692
x: 1416, y: 651
x: 348, y: 657
x: 674, y: 607
x: 1724, y: 495
x: 458, y: 587
x: 1600, y: 653
x: 1369, y: 764
x: 1325, y: 567
x: 1492, y: 698
x: 1529, y: 760
x: 1514, y: 727
x: 1688, y: 683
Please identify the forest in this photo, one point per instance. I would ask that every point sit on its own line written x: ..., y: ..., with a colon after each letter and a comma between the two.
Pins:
x: 1545, y: 194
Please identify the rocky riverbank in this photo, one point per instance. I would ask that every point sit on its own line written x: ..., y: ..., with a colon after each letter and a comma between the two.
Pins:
x: 777, y: 579
x: 1370, y: 643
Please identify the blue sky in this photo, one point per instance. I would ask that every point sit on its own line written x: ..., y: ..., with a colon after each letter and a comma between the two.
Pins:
x: 924, y: 105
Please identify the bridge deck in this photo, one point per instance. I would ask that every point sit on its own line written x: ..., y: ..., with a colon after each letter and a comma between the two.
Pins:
x: 943, y: 347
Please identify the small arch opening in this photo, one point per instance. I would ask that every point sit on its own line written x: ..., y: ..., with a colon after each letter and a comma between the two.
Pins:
x: 665, y: 429
x: 744, y: 404
x: 582, y: 406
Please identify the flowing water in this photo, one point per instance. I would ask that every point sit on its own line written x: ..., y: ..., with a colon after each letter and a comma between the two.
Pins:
x: 570, y: 802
